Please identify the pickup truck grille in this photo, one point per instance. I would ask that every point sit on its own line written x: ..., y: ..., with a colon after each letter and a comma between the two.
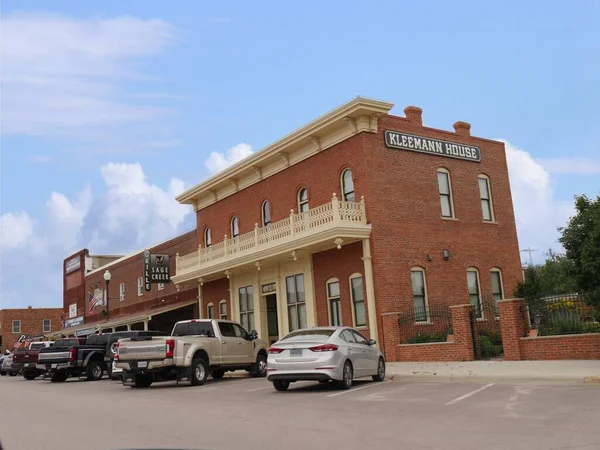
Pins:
x: 53, y: 356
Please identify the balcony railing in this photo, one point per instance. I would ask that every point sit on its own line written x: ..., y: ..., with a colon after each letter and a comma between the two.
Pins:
x: 332, y: 214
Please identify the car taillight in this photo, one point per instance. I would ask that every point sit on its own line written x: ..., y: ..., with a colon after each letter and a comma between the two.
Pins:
x: 324, y: 348
x: 72, y: 353
x: 116, y: 352
x: 170, y: 348
x: 275, y: 350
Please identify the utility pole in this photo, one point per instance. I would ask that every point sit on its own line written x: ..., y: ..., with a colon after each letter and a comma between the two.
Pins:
x: 530, y: 251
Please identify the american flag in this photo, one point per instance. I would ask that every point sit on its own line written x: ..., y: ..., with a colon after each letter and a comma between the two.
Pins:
x: 92, y: 303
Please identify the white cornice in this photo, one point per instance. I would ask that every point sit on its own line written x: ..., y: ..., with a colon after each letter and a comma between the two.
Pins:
x: 344, y: 115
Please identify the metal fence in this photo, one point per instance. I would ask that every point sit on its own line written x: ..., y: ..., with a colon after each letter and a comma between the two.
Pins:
x: 563, y: 314
x: 422, y: 325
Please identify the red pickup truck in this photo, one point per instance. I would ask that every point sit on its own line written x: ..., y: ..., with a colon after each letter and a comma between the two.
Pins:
x: 26, y: 359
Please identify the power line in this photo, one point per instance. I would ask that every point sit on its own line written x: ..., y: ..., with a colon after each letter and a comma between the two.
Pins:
x: 530, y: 251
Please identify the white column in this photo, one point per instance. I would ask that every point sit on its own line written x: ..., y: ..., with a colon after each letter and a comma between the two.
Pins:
x: 258, y: 310
x: 233, y: 301
x: 281, y: 303
x: 370, y: 288
x: 309, y: 292
x: 200, y: 302
x: 146, y: 324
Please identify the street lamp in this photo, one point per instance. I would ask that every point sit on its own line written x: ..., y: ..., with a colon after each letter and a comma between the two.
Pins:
x: 107, y: 277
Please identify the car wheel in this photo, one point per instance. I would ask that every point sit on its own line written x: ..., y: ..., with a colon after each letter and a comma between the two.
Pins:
x: 199, y: 372
x: 30, y: 374
x: 259, y: 368
x: 143, y: 381
x: 59, y: 377
x: 3, y: 374
x: 94, y: 371
x: 380, y: 371
x: 13, y: 374
x: 281, y: 385
x: 216, y: 374
x: 348, y: 375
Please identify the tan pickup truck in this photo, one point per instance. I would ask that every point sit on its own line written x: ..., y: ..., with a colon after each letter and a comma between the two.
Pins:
x: 195, y: 349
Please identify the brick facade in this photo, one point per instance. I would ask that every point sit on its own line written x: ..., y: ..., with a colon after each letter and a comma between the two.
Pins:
x: 31, y: 323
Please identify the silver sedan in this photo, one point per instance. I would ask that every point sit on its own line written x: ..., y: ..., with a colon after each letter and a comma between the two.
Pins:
x: 324, y: 354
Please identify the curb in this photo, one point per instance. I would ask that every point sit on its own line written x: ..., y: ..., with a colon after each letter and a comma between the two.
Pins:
x: 498, y: 380
x: 591, y: 380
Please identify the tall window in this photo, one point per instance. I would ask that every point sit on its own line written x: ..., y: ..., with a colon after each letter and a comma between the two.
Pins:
x: 333, y: 300
x: 210, y: 311
x: 266, y: 213
x: 302, y: 200
x: 417, y: 278
x: 445, y: 193
x: 223, y: 310
x: 358, y: 300
x: 296, y: 301
x: 46, y: 326
x: 246, y: 300
x: 474, y: 291
x: 16, y: 326
x: 235, y: 227
x: 140, y: 286
x: 207, y: 237
x: 348, y: 186
x: 122, y: 292
x: 497, y: 288
x: 487, y: 208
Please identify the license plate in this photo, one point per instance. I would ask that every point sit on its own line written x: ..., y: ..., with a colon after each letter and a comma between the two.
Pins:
x: 53, y: 366
x: 143, y: 364
x: 296, y: 352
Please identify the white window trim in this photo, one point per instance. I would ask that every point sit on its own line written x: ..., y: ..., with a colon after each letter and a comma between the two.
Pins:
x: 299, y: 201
x: 122, y: 292
x: 223, y: 302
x: 262, y: 213
x: 13, y: 327
x: 452, y: 210
x: 208, y: 306
x: 207, y: 237
x: 474, y: 269
x: 499, y: 271
x: 358, y: 327
x: 160, y: 286
x: 422, y: 270
x: 140, y: 286
x: 233, y: 235
x: 342, y: 185
x: 49, y: 326
x: 489, y: 186
x: 333, y: 280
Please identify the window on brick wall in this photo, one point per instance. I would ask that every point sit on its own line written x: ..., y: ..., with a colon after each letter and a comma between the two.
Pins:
x: 140, y: 286
x: 419, y: 292
x: 160, y: 286
x: 16, y: 326
x: 210, y: 311
x: 348, y: 186
x: 485, y: 194
x: 358, y: 300
x: 445, y: 189
x: 497, y: 287
x: 265, y: 210
x: 122, y: 292
x: 296, y: 301
x: 333, y: 302
x: 235, y: 227
x: 474, y: 290
x: 46, y: 326
x: 246, y: 304
x: 223, y: 310
x: 207, y: 237
x: 302, y: 200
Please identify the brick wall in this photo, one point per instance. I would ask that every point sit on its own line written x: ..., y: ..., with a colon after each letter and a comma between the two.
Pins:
x: 574, y: 346
x: 74, y: 285
x: 214, y: 292
x: 31, y: 323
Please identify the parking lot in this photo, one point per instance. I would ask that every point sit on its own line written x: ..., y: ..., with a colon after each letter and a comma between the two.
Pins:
x: 244, y: 413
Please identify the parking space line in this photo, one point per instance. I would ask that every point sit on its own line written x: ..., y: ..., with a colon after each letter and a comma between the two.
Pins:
x: 354, y: 390
x: 260, y: 389
x: 469, y: 394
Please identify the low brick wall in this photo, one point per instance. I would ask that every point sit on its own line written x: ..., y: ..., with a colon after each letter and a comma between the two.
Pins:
x: 433, y: 351
x: 571, y: 346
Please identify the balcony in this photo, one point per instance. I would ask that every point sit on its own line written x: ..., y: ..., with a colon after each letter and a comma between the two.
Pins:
x: 317, y: 229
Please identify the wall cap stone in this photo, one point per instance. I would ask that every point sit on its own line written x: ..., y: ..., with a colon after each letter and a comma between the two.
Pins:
x: 533, y: 338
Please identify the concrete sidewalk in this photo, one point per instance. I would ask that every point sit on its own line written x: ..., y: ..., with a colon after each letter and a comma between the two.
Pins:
x: 576, y: 372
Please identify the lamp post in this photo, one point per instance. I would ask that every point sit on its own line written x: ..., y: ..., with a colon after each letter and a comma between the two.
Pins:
x: 107, y: 277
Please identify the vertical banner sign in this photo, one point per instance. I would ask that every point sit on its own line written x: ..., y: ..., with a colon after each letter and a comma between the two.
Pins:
x: 147, y: 270
x: 159, y: 269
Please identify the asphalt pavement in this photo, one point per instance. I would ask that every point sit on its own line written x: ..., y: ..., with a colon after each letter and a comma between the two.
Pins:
x: 243, y: 413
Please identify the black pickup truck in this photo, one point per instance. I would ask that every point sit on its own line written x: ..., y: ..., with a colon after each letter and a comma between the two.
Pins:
x: 75, y: 357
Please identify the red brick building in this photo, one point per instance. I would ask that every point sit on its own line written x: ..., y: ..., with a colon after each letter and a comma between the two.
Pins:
x: 353, y: 216
x: 27, y: 321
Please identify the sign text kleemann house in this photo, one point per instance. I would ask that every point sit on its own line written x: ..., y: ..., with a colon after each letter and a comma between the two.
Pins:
x: 403, y: 141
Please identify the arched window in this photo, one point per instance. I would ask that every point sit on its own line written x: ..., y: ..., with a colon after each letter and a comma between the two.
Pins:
x: 474, y: 290
x: 303, y: 200
x: 266, y: 213
x: 485, y: 194
x: 210, y: 311
x: 223, y: 310
x: 348, y: 186
x: 207, y: 237
x: 358, y: 300
x: 235, y: 227
x: 333, y: 300
x: 419, y: 291
x: 445, y: 189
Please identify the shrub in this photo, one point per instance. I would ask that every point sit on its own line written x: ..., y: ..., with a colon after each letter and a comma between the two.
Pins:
x: 563, y: 321
x: 490, y: 343
x: 494, y: 336
x: 591, y: 327
x: 425, y: 338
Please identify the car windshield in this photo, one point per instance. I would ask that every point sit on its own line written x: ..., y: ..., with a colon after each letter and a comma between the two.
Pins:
x: 193, y: 329
x: 36, y: 346
x: 309, y: 335
x: 66, y: 343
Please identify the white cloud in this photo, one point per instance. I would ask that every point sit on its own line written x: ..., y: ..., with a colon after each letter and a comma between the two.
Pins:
x: 218, y: 161
x: 40, y: 159
x: 572, y: 166
x: 538, y: 212
x: 61, y: 73
x: 15, y: 229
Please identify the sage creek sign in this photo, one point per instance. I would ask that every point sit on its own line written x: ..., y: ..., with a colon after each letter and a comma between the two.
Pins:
x: 395, y: 139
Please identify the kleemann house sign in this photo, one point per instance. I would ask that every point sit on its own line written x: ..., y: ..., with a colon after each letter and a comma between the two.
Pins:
x: 156, y: 269
x: 403, y: 141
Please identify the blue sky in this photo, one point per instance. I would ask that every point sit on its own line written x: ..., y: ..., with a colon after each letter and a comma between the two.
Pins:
x: 109, y: 109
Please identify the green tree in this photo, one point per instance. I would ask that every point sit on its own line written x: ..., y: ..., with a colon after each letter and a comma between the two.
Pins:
x: 557, y: 274
x: 531, y: 290
x: 581, y: 240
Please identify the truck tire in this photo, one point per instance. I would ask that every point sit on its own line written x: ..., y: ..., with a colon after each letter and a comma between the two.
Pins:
x: 143, y: 380
x: 281, y: 385
x: 94, y: 371
x: 199, y: 372
x: 30, y: 374
x: 59, y: 377
x: 217, y: 374
x: 259, y: 368
x: 3, y: 374
x: 13, y: 374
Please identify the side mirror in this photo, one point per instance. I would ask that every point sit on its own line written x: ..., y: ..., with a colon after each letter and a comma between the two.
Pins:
x: 372, y: 342
x: 253, y: 335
